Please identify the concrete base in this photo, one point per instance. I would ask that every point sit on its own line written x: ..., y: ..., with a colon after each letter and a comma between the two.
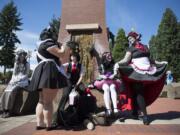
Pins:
x: 164, y: 92
x: 25, y: 102
x: 173, y: 90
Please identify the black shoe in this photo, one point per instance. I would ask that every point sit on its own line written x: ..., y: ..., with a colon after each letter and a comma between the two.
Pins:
x: 108, y: 113
x: 40, y: 128
x: 145, y: 120
x: 115, y: 115
x: 6, y: 115
x: 122, y: 119
x: 135, y: 115
x: 50, y: 128
x: 55, y: 125
x: 3, y: 115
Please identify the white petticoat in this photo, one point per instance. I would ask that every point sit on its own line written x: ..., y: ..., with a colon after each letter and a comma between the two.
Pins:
x: 142, y: 65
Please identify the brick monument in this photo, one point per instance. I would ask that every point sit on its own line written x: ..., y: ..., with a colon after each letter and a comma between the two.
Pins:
x: 84, y: 22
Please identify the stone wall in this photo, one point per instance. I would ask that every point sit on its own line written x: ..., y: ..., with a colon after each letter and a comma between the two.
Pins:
x: 25, y: 102
x: 171, y: 91
x: 2, y: 87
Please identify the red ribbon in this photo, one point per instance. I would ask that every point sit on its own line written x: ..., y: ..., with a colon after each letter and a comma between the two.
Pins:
x: 140, y: 47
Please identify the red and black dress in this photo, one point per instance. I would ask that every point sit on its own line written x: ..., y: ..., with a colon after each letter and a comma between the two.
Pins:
x: 141, y: 70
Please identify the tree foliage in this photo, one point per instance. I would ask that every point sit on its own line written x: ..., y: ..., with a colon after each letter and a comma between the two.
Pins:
x: 166, y: 44
x: 121, y: 44
x: 10, y: 22
x: 152, y: 45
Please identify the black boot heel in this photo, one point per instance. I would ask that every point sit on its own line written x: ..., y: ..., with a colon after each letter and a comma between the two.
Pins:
x: 146, y: 120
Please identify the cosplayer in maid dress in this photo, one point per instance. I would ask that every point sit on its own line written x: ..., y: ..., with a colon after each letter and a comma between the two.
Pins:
x: 19, y: 80
x: 108, y: 83
x: 47, y: 77
x: 143, y: 78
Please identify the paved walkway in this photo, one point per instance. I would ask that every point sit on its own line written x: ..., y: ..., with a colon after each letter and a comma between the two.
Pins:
x: 164, y: 115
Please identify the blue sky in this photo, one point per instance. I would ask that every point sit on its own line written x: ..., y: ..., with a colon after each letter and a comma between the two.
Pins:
x: 143, y: 15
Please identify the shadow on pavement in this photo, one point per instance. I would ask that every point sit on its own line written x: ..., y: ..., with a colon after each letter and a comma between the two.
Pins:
x: 170, y: 115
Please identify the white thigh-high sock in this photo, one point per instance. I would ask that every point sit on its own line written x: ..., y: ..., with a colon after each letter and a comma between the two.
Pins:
x: 105, y: 88
x: 114, y: 96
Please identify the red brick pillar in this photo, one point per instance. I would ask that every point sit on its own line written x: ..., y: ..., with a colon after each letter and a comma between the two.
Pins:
x: 84, y: 16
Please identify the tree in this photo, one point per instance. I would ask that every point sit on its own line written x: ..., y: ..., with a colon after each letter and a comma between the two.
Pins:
x: 10, y: 22
x: 165, y: 45
x: 152, y: 46
x: 176, y: 59
x: 121, y: 44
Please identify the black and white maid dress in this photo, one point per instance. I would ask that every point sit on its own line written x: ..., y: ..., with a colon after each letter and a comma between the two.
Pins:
x: 49, y: 73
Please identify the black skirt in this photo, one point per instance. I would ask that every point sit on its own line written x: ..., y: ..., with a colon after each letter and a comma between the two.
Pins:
x: 46, y: 75
x: 132, y: 75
